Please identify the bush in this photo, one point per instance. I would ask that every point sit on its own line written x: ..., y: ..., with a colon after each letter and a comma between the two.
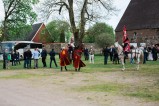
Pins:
x: 104, y: 39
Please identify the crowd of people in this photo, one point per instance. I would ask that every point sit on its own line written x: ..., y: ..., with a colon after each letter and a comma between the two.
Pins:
x: 70, y: 55
x: 149, y: 54
x: 67, y: 56
x: 89, y: 54
x: 106, y: 52
x: 14, y: 58
x: 112, y: 52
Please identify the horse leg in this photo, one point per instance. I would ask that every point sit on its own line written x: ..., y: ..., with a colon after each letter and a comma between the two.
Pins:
x: 138, y: 62
x: 137, y: 67
x: 123, y: 64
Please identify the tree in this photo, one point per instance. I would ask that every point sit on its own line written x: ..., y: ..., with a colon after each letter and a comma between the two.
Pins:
x: 96, y: 30
x: 80, y: 12
x: 17, y: 13
x: 104, y: 39
x: 0, y: 32
x: 63, y: 27
x: 58, y: 30
x: 18, y: 32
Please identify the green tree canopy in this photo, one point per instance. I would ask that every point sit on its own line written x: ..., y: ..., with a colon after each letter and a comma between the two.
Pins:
x: 18, y: 32
x: 59, y: 31
x: 96, y: 30
x: 18, y: 13
x: 104, y: 39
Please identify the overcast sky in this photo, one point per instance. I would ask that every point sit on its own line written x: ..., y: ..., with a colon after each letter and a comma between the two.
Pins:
x: 113, y: 21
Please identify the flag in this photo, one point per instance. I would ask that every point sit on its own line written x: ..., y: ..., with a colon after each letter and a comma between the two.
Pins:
x: 124, y: 34
x: 126, y: 41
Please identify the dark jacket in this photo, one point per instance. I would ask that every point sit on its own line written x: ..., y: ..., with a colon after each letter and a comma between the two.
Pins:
x: 29, y: 54
x: 25, y: 55
x: 86, y: 52
x: 106, y: 52
x: 52, y: 54
x: 13, y: 56
x: 5, y: 56
x: 43, y: 53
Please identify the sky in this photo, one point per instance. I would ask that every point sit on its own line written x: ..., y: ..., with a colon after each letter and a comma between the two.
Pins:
x: 121, y: 5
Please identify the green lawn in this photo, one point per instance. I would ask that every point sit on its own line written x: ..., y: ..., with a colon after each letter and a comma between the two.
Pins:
x: 99, y: 66
x: 147, y: 90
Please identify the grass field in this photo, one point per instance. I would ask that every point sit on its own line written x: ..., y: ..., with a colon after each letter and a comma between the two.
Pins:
x: 140, y: 84
x: 99, y: 66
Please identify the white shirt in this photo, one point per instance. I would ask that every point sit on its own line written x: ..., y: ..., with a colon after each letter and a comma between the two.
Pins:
x: 36, y: 55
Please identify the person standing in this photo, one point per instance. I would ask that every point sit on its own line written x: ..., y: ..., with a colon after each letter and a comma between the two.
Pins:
x: 29, y: 58
x: 131, y: 55
x: 145, y: 55
x: 52, y: 57
x: 111, y: 52
x: 77, y: 63
x: 64, y: 60
x: 154, y: 53
x: 150, y: 57
x: 115, y: 56
x: 86, y: 53
x: 70, y: 50
x: 17, y: 57
x: 44, y: 55
x: 106, y: 54
x: 13, y: 58
x: 8, y: 60
x: 4, y: 59
x: 36, y: 58
x: 91, y: 55
x: 25, y: 58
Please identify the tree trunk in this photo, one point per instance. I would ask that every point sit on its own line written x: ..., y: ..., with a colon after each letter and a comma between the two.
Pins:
x: 78, y: 33
x: 77, y: 39
x: 4, y: 31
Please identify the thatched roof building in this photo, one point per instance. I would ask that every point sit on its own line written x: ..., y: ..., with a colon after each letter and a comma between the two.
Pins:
x: 142, y: 17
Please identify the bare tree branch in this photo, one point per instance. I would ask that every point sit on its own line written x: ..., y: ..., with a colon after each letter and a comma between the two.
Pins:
x: 83, y: 19
x: 80, y: 12
x: 10, y: 12
x: 10, y: 5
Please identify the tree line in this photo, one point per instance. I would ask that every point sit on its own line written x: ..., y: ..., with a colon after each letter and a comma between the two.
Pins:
x: 19, y: 17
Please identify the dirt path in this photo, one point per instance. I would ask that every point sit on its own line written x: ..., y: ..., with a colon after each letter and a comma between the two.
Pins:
x: 57, y: 89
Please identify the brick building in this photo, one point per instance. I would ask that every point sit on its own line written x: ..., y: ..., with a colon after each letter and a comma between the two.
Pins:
x: 36, y: 32
x: 141, y: 19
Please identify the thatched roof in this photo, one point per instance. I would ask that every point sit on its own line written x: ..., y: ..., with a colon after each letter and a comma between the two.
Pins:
x: 140, y: 14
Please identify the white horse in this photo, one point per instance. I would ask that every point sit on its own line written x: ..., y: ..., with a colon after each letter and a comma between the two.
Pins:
x: 135, y: 54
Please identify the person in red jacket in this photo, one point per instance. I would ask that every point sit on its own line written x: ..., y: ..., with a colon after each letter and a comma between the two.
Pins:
x: 64, y: 59
x: 77, y: 63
